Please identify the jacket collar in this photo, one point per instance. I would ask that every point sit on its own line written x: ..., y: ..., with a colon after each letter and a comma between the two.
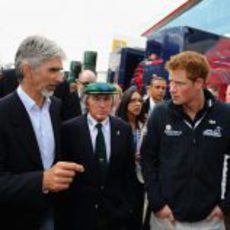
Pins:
x: 24, y: 131
x: 177, y: 110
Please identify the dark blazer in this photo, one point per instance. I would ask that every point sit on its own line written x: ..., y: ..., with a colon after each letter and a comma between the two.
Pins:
x: 73, y: 108
x: 22, y: 201
x: 8, y: 82
x: 88, y: 196
x: 146, y: 106
x: 70, y: 101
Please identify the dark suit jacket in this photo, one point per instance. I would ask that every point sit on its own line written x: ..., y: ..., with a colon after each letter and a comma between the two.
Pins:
x: 73, y: 106
x: 146, y: 106
x: 22, y: 201
x: 87, y: 195
x: 8, y: 82
x: 70, y: 101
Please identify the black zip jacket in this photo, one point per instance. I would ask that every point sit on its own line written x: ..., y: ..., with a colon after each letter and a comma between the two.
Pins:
x: 182, y: 160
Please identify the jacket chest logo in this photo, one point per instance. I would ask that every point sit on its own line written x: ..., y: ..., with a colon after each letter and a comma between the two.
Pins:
x: 213, y: 132
x: 170, y: 132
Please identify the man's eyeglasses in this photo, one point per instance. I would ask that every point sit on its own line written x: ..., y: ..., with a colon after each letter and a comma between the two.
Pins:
x: 84, y: 83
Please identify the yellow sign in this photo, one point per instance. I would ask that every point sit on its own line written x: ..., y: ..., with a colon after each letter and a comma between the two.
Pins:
x: 118, y: 43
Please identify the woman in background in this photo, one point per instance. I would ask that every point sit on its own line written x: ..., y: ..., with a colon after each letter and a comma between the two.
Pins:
x: 130, y: 111
x: 117, y: 98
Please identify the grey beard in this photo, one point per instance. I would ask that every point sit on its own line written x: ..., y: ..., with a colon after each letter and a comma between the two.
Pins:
x: 47, y: 93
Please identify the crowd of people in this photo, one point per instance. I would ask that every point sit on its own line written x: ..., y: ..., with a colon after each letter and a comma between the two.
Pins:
x: 87, y: 155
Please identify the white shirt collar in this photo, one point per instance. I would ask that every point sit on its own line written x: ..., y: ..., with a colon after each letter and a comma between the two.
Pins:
x: 106, y: 129
x: 42, y: 126
x: 28, y: 102
x: 152, y: 103
x: 92, y: 122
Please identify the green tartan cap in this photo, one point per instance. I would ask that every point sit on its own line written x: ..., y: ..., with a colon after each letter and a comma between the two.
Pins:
x: 100, y: 88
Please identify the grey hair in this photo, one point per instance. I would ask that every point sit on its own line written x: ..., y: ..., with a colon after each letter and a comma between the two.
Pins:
x: 35, y: 50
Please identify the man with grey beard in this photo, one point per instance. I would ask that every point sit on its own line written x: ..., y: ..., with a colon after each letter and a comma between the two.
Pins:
x: 30, y: 172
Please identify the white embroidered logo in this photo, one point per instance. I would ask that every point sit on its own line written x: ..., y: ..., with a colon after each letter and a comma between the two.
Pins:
x: 213, y: 132
x: 168, y: 127
x: 169, y: 132
x: 212, y: 122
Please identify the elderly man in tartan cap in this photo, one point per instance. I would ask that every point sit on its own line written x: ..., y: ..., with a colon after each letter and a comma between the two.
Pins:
x: 102, y: 197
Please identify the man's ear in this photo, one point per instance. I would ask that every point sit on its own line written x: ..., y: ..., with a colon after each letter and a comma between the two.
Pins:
x: 26, y: 70
x: 200, y: 83
x: 86, y: 101
x: 148, y: 88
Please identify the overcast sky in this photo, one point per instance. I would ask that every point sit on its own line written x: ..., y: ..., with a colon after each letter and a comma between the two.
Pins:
x: 79, y: 25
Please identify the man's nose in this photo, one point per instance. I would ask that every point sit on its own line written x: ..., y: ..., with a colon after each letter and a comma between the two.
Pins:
x: 172, y: 87
x: 102, y: 102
